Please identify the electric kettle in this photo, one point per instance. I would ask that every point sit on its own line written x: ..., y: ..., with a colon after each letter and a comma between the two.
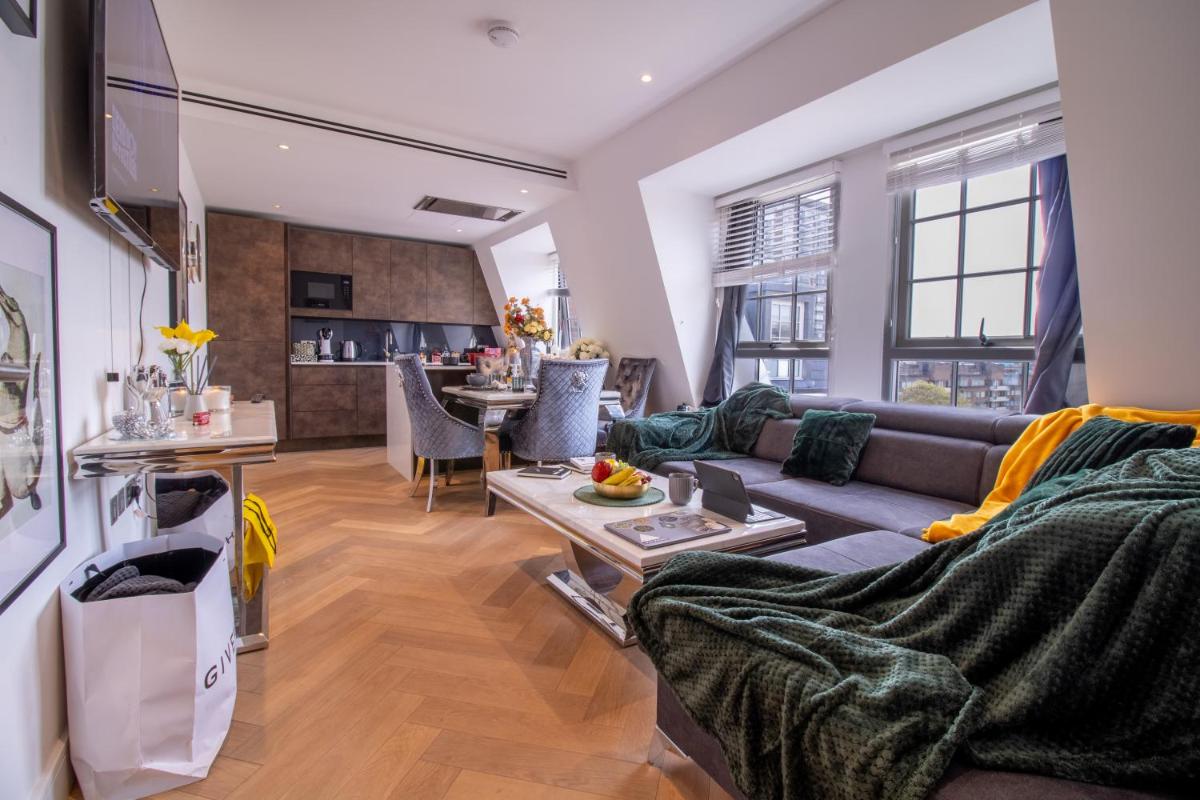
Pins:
x: 351, y: 350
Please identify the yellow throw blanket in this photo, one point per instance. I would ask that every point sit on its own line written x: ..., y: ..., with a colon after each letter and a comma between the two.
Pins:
x: 1032, y: 448
x: 259, y: 544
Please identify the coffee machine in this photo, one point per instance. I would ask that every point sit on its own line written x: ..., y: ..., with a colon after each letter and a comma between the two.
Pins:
x: 325, y: 343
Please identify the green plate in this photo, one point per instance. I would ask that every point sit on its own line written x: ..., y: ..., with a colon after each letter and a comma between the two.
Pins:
x: 588, y: 495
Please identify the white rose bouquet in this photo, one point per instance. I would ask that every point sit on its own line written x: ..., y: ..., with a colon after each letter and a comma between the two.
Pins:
x: 586, y: 348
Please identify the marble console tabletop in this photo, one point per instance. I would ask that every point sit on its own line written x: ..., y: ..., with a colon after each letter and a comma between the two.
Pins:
x: 428, y: 367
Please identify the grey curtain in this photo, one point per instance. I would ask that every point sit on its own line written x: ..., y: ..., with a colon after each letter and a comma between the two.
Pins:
x: 1059, y: 316
x: 720, y: 374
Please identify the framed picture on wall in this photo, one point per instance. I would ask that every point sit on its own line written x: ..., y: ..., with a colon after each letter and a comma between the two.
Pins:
x: 32, y: 519
x: 20, y: 16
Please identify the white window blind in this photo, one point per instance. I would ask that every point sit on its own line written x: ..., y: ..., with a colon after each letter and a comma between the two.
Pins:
x: 776, y: 235
x: 1018, y: 140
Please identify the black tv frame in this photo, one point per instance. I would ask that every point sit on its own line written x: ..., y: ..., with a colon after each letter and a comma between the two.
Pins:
x: 107, y: 208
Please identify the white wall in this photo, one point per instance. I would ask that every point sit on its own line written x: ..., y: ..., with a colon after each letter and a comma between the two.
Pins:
x: 45, y: 165
x: 1132, y: 112
x: 610, y: 253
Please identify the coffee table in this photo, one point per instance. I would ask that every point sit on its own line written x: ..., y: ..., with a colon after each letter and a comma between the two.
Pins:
x: 603, y: 569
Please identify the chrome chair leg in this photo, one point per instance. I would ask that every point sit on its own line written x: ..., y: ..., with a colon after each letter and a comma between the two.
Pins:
x: 420, y: 473
x: 432, y: 483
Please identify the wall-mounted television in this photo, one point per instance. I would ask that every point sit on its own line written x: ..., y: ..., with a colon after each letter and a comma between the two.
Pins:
x: 135, y: 128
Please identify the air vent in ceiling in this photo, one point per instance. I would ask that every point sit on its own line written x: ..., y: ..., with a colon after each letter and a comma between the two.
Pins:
x: 459, y: 208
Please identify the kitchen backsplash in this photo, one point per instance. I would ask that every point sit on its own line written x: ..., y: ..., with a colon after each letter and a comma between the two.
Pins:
x: 409, y: 335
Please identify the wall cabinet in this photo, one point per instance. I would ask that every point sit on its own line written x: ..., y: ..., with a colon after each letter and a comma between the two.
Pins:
x: 483, y: 310
x: 451, y: 285
x: 409, y: 281
x: 372, y: 277
x: 312, y: 250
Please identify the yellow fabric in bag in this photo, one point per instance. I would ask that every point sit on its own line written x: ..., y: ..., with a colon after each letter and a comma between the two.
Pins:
x: 259, y: 543
x: 1032, y: 448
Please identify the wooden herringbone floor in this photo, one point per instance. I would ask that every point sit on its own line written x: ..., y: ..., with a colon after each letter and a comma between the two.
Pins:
x: 421, y: 656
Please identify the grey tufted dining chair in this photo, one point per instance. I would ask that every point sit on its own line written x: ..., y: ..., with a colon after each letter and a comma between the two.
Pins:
x: 632, y: 380
x: 437, y: 436
x: 561, y: 423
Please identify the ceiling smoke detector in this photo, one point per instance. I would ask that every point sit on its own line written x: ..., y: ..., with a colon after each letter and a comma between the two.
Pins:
x: 503, y: 34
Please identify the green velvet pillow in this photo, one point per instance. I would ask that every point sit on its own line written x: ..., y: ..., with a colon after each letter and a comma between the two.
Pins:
x: 827, y: 445
x: 1103, y: 440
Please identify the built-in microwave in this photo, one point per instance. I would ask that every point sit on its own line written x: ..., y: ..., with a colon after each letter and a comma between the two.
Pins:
x: 322, y: 290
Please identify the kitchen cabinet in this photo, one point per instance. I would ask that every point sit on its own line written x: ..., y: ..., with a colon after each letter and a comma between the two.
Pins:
x: 332, y: 397
x: 314, y: 250
x: 409, y: 277
x: 246, y: 278
x: 372, y: 277
x: 483, y: 311
x: 320, y: 424
x: 450, y: 285
x: 372, y: 400
x: 250, y: 368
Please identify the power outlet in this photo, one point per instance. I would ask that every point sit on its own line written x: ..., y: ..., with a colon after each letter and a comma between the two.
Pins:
x: 122, y: 499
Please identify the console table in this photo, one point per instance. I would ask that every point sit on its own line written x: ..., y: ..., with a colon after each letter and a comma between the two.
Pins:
x: 243, y: 435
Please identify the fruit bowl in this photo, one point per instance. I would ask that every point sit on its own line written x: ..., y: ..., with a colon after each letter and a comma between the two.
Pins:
x: 629, y: 492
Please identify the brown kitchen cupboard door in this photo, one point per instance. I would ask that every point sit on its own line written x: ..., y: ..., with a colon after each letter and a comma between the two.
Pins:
x: 372, y: 277
x: 372, y: 402
x: 252, y: 367
x: 320, y: 251
x: 483, y: 311
x: 340, y: 399
x: 321, y: 375
x: 451, y: 285
x: 246, y: 278
x: 317, y: 424
x: 410, y: 266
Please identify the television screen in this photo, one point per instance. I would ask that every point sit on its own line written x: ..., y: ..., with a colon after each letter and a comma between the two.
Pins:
x: 135, y: 135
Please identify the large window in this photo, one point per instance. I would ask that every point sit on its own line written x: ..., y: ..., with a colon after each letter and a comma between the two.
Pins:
x: 780, y: 248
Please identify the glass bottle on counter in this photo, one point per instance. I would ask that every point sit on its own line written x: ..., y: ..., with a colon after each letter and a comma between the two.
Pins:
x: 421, y: 355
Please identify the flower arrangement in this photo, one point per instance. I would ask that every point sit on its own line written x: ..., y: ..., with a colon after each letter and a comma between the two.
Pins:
x: 525, y: 320
x: 182, y: 345
x: 586, y: 348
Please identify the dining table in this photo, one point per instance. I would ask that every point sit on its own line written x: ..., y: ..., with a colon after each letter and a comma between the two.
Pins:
x: 495, y: 405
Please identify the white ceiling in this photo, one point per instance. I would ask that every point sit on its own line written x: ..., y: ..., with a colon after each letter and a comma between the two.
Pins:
x: 425, y: 68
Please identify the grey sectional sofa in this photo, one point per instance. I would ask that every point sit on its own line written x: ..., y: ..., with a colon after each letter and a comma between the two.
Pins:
x: 922, y: 463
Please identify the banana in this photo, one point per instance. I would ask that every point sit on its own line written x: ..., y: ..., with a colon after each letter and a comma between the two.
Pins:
x: 632, y: 479
x: 617, y: 478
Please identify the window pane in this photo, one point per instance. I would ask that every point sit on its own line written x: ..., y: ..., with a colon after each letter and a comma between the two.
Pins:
x: 810, y: 317
x: 924, y: 382
x: 777, y: 286
x: 932, y: 312
x: 992, y: 384
x: 1033, y: 303
x: 996, y: 239
x: 937, y: 199
x: 1039, y: 234
x: 998, y: 187
x: 809, y: 281
x: 775, y: 371
x: 998, y: 298
x: 776, y: 322
x: 935, y: 248
x: 812, y: 375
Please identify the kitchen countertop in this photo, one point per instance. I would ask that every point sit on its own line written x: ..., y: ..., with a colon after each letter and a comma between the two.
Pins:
x: 376, y: 364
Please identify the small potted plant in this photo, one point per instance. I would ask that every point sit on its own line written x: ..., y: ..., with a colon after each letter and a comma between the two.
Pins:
x: 182, y: 347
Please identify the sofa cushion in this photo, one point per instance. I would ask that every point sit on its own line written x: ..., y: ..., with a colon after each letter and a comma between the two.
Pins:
x: 830, y: 512
x: 1009, y: 429
x: 775, y: 440
x: 753, y: 470
x: 951, y: 421
x: 991, y: 468
x: 1103, y: 440
x: 827, y: 445
x: 803, y: 402
x: 856, y: 552
x: 919, y: 462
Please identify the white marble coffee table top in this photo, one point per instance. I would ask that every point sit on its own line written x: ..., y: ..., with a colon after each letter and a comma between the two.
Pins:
x: 553, y: 502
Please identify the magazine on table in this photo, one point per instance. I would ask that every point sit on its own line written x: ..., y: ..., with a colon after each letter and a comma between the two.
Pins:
x: 673, y: 527
x: 556, y: 472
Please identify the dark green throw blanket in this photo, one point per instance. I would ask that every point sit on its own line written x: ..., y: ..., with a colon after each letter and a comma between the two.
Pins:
x: 725, y: 431
x: 1062, y: 638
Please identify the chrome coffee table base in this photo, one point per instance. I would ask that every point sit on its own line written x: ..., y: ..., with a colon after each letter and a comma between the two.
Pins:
x: 598, y: 608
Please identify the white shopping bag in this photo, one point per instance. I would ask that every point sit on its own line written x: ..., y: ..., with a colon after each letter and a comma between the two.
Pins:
x: 217, y: 520
x: 152, y: 679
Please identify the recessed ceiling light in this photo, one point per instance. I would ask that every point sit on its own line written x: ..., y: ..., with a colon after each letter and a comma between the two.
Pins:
x: 107, y: 115
x: 647, y: 77
x: 283, y: 147
x: 458, y: 230
x: 276, y: 206
x: 154, y: 188
x: 524, y: 191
